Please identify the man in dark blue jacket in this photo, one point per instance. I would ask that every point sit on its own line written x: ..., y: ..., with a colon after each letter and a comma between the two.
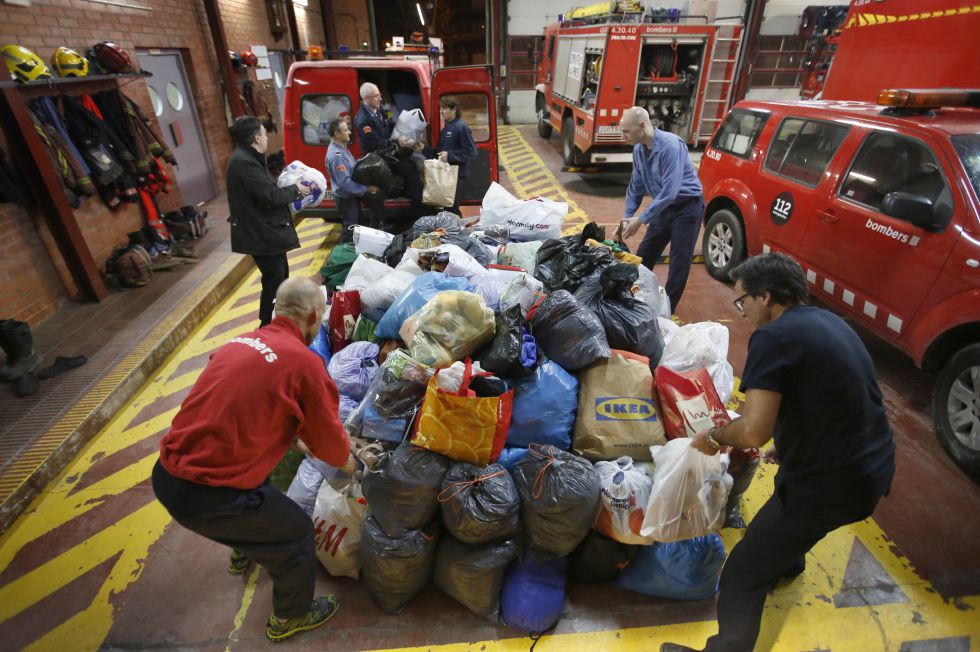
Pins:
x: 373, y: 125
x: 456, y: 145
x: 340, y: 164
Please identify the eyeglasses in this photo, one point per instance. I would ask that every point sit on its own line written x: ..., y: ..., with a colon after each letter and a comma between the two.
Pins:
x: 740, y: 302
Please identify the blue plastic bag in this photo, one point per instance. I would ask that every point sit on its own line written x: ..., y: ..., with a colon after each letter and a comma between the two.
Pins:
x: 510, y: 457
x: 321, y: 345
x: 544, y: 408
x: 682, y: 570
x: 423, y: 288
x: 354, y: 368
x: 534, y: 594
x: 378, y: 427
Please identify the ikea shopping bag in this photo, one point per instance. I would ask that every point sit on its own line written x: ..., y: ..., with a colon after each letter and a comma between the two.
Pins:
x: 440, y: 183
x: 617, y: 414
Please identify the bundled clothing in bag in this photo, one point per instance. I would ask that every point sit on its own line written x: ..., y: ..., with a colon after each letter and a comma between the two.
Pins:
x: 354, y: 368
x: 338, y: 520
x: 559, y: 500
x: 630, y: 324
x: 534, y: 594
x: 510, y: 457
x: 396, y: 567
x: 690, y: 490
x: 473, y: 576
x: 367, y: 323
x: 513, y: 352
x: 373, y: 170
x: 306, y: 483
x: 298, y: 172
x: 682, y: 570
x: 371, y: 241
x: 365, y: 273
x: 383, y: 293
x: 448, y: 222
x: 491, y: 289
x: 480, y: 504
x: 451, y: 326
x: 392, y: 399
x: 625, y: 493
x: 563, y: 264
x: 534, y: 219
x: 617, y: 414
x: 412, y: 300
x: 689, y: 402
x: 704, y: 344
x: 568, y: 332
x: 344, y: 310
x: 599, y: 558
x: 401, y: 489
x: 523, y: 290
x: 321, y: 345
x: 440, y: 181
x: 519, y: 254
x: 469, y: 425
x: 334, y: 272
x: 544, y: 408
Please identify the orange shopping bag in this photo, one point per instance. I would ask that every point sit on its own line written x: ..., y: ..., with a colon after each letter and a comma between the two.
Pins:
x: 461, y: 425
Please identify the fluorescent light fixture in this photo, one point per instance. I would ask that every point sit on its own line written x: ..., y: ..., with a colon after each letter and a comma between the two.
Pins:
x: 421, y: 18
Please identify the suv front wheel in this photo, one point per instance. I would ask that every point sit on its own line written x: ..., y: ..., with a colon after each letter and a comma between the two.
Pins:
x: 956, y: 407
x: 723, y: 245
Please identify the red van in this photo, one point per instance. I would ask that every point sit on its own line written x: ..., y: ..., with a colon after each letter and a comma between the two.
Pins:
x: 328, y: 89
x: 879, y: 204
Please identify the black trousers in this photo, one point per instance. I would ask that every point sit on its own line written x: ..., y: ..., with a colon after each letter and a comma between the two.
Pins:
x: 349, y: 211
x: 275, y: 270
x: 262, y: 523
x: 775, y: 544
x: 678, y: 225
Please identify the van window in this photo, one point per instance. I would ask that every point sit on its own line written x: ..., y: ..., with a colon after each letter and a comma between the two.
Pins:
x: 739, y: 132
x: 802, y: 149
x: 476, y: 114
x: 967, y: 147
x: 318, y: 111
x: 888, y: 163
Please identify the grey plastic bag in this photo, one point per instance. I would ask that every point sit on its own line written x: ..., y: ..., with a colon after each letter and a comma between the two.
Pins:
x: 396, y: 568
x: 402, y: 486
x: 473, y: 576
x: 480, y: 505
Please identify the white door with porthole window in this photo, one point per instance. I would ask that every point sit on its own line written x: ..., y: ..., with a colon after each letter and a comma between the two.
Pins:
x: 173, y: 105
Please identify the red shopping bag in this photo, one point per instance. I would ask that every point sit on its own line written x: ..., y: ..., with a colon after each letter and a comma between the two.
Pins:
x: 344, y: 311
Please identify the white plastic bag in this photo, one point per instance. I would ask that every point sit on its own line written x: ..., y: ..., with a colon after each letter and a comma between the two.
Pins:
x: 440, y: 183
x: 409, y: 262
x: 534, y: 219
x: 450, y: 378
x: 647, y: 288
x: 525, y: 290
x: 519, y: 254
x: 704, y: 344
x: 365, y: 272
x: 338, y: 520
x: 625, y: 494
x: 306, y: 483
x: 461, y: 263
x: 689, y: 493
x: 664, y: 310
x: 371, y: 241
x: 384, y: 292
x: 667, y: 328
x: 409, y: 127
x: 298, y: 172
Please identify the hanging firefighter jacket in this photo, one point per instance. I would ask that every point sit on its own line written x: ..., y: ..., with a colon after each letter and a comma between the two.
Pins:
x: 110, y: 107
x: 44, y: 108
x: 73, y: 177
x: 144, y: 132
x: 256, y: 106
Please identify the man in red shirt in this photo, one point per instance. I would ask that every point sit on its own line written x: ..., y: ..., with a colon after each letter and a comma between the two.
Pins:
x: 258, y: 394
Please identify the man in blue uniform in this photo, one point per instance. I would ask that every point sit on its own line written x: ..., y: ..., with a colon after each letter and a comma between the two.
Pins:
x: 373, y: 126
x: 340, y: 164
x: 663, y: 170
x: 810, y: 385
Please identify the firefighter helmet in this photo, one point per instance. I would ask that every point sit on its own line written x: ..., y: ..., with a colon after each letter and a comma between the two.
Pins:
x: 23, y: 64
x: 113, y: 58
x: 249, y: 58
x: 68, y: 63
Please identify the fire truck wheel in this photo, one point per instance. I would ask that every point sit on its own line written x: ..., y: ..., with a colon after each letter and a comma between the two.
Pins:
x: 544, y: 127
x: 570, y: 153
x: 723, y: 245
x: 956, y: 408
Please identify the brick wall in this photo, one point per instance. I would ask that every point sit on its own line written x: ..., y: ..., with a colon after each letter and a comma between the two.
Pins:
x: 33, y: 277
x: 352, y: 25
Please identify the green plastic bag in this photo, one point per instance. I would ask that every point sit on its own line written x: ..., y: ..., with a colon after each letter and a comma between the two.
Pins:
x: 335, y: 270
x: 364, y: 330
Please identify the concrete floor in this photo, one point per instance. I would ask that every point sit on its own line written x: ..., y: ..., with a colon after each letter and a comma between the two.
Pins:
x: 97, y: 563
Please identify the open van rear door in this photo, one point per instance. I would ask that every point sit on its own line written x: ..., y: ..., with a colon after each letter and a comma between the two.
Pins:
x: 317, y: 94
x: 474, y: 86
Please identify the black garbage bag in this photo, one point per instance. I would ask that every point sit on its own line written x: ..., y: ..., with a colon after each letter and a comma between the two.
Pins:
x: 473, y: 576
x: 563, y: 264
x: 480, y: 505
x: 559, y: 500
x: 568, y: 332
x: 373, y: 170
x: 396, y: 568
x: 472, y: 246
x: 445, y: 220
x: 630, y: 324
x: 512, y: 353
x: 402, y: 487
x: 599, y: 558
x: 396, y: 248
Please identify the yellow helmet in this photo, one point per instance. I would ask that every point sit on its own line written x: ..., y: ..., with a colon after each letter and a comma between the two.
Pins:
x: 23, y: 64
x: 68, y: 63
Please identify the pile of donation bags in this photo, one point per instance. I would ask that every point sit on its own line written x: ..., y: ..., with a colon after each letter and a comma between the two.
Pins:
x: 511, y: 426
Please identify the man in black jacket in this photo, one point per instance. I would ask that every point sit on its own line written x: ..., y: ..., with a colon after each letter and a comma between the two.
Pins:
x: 261, y: 224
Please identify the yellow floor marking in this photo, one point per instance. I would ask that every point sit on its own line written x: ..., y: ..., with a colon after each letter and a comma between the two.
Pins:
x: 131, y: 536
x: 253, y: 580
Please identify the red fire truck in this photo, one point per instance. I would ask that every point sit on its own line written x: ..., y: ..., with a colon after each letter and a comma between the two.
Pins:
x: 596, y: 64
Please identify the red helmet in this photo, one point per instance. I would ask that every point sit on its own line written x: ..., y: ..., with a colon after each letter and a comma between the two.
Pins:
x: 113, y: 58
x: 249, y: 58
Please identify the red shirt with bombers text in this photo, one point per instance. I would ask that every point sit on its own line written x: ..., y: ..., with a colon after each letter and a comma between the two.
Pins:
x: 258, y: 393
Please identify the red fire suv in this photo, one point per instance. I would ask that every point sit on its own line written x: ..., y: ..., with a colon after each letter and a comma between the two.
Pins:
x: 879, y: 203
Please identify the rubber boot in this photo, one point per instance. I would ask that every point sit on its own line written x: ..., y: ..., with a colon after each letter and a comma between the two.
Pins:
x: 22, y: 357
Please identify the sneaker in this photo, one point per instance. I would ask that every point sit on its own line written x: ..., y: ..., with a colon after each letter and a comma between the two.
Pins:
x: 322, y: 610
x: 238, y: 563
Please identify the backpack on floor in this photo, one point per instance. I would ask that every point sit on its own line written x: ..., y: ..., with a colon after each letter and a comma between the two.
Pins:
x: 187, y: 223
x: 130, y: 266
